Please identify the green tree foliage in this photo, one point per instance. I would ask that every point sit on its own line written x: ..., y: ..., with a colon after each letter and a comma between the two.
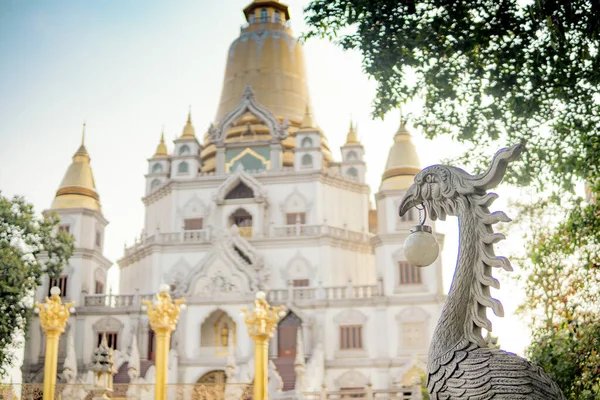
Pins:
x: 561, y: 277
x: 520, y: 71
x: 569, y: 353
x: 29, y: 248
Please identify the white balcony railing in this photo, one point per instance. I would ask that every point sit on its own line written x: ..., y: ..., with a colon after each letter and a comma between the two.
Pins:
x: 302, y: 295
x: 276, y: 232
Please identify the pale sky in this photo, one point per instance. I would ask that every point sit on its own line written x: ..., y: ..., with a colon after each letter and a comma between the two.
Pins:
x: 128, y: 68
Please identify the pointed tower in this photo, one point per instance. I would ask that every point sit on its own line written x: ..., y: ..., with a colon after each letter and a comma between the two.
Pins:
x: 185, y: 162
x: 78, y: 189
x: 158, y: 167
x: 77, y: 204
x: 399, y: 277
x: 307, y: 153
x: 353, y: 152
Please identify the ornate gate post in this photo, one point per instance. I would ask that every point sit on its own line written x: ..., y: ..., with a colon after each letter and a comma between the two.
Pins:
x: 261, y: 323
x: 53, y: 318
x: 163, y: 315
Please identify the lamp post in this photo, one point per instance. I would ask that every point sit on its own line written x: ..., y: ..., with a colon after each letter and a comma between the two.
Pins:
x: 53, y: 318
x: 261, y: 323
x: 163, y: 315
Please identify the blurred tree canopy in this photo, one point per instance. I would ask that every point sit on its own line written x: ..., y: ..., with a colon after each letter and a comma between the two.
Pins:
x: 519, y: 71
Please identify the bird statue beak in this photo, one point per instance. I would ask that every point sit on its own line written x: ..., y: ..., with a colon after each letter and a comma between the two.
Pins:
x: 409, y: 200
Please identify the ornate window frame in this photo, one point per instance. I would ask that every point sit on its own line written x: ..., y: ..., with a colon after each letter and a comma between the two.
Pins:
x: 349, y: 317
x: 409, y: 315
x: 249, y: 104
x: 397, y: 257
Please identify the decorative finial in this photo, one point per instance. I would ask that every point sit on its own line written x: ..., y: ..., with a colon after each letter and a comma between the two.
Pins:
x: 307, y: 120
x: 351, y: 138
x: 189, y: 120
x: 83, y: 135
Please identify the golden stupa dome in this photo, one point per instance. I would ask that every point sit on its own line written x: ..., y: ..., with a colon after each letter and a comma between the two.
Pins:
x: 77, y: 189
x: 188, y: 130
x: 402, y: 163
x: 269, y: 59
x: 161, y: 149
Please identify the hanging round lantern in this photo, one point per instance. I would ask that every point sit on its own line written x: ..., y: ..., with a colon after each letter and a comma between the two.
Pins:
x: 420, y: 247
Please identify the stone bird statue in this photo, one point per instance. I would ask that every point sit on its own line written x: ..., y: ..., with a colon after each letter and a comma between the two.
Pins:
x: 460, y: 365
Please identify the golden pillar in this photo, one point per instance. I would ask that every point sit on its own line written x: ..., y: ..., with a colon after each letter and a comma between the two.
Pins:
x: 53, y: 318
x: 261, y: 323
x: 163, y: 315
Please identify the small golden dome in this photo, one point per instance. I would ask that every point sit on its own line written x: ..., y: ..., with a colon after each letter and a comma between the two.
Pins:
x: 403, y: 161
x: 161, y: 149
x: 78, y: 189
x: 352, y: 138
x: 188, y: 129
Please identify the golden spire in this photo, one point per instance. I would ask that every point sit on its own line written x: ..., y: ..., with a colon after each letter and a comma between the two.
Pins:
x: 82, y: 151
x: 352, y: 138
x: 403, y: 161
x: 307, y: 121
x: 161, y: 149
x: 188, y: 129
x: 78, y: 189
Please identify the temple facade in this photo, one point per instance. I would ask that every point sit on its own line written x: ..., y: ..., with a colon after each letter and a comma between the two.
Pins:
x: 257, y: 202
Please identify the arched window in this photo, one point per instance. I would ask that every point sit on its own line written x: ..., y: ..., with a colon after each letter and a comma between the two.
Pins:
x: 157, y: 168
x: 185, y: 149
x: 287, y: 332
x: 352, y: 155
x: 155, y: 183
x: 264, y: 15
x: 277, y: 17
x: 243, y: 220
x: 183, y: 168
x: 352, y: 172
x: 307, y: 160
x: 307, y: 142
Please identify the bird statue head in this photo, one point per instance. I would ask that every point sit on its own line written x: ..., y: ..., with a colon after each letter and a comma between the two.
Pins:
x: 445, y: 190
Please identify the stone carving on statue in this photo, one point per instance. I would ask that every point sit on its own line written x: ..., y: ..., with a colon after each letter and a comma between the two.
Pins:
x: 70, y: 364
x: 133, y: 366
x: 275, y: 381
x: 460, y: 365
x: 315, y: 369
x: 219, y: 283
x: 133, y: 370
x: 74, y: 390
x: 300, y: 364
x: 231, y: 368
x: 248, y: 104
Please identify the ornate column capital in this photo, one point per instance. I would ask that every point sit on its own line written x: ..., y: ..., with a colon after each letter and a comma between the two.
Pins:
x: 263, y: 318
x: 163, y: 313
x: 53, y: 313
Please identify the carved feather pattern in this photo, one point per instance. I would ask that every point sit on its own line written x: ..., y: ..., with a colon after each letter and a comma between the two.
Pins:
x: 468, y: 371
